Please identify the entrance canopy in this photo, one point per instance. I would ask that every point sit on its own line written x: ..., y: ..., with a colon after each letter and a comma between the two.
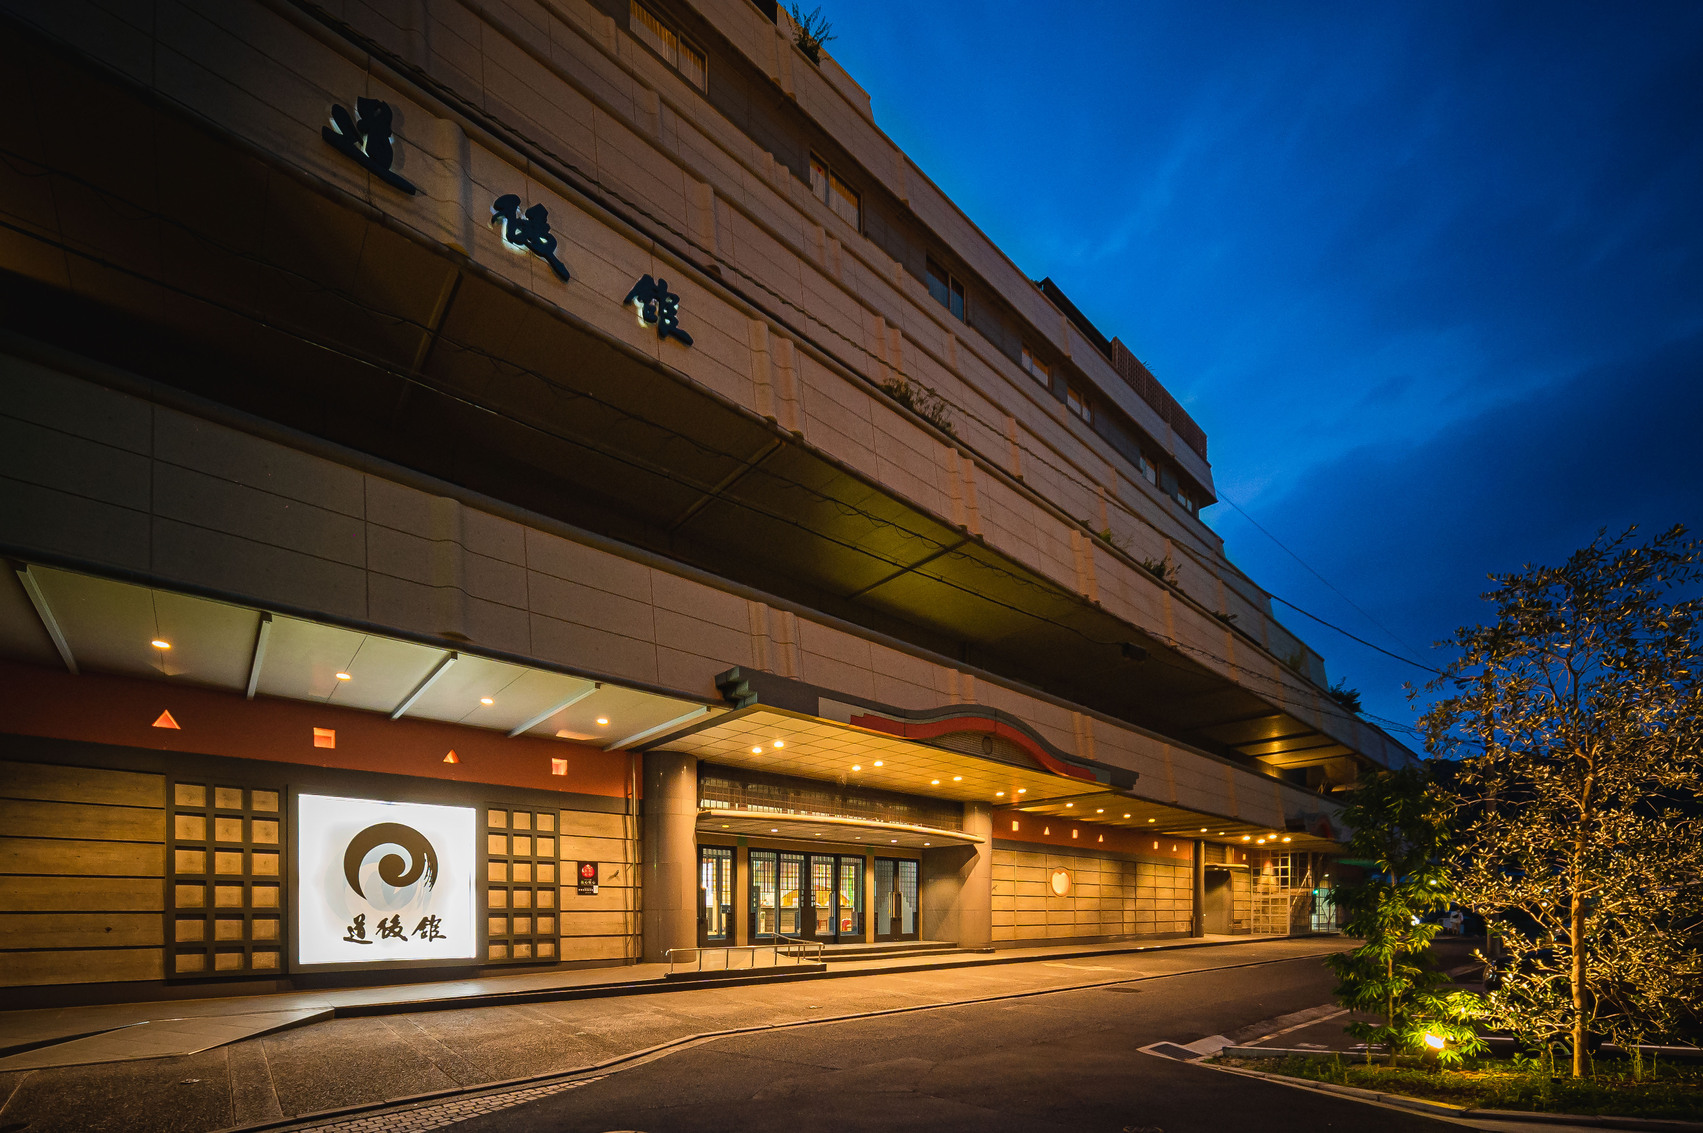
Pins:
x: 83, y: 622
x: 785, y: 742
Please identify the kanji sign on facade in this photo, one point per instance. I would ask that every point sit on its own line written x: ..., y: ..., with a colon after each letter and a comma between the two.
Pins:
x: 382, y: 883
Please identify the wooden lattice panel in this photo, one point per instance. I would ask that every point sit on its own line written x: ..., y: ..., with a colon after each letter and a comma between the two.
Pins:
x: 522, y: 894
x: 224, y: 880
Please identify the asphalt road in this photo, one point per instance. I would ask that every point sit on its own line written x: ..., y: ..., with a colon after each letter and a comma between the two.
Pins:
x: 1061, y: 1061
x: 1063, y: 1055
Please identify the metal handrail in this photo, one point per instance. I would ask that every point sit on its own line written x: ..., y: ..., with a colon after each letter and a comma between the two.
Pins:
x: 795, y: 949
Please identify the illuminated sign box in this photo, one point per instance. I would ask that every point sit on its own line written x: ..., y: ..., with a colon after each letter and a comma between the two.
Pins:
x: 383, y: 884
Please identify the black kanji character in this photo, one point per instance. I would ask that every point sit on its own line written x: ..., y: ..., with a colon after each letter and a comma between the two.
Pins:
x: 428, y: 928
x: 659, y: 307
x: 357, y: 932
x: 529, y: 230
x: 366, y: 138
x: 391, y: 929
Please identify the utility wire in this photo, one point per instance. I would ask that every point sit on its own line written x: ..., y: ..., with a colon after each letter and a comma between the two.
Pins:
x: 1354, y: 637
x: 1310, y: 570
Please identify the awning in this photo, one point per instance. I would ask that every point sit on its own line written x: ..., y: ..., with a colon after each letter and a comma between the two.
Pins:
x: 824, y: 828
x: 83, y: 622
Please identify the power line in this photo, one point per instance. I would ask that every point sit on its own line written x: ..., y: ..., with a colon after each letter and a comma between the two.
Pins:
x: 1355, y: 637
x: 1333, y: 589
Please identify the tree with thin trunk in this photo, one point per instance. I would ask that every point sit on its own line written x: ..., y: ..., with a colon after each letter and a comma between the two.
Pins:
x: 1401, y: 827
x: 1575, y: 720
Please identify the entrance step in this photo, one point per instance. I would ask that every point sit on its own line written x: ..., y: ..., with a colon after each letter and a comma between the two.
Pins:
x: 895, y: 950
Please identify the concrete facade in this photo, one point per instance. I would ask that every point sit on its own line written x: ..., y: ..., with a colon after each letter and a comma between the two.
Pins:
x: 312, y: 395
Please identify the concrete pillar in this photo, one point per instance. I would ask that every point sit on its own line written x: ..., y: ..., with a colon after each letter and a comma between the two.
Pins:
x: 1197, y: 925
x: 955, y: 886
x: 670, y: 894
x: 741, y: 896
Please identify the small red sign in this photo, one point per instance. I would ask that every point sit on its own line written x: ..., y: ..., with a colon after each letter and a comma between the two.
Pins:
x: 588, y: 879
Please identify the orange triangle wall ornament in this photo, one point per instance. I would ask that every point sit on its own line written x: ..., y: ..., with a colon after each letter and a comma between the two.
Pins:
x: 166, y: 721
x: 452, y: 757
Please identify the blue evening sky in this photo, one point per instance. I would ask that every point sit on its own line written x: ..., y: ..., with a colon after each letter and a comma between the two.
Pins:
x: 1429, y: 275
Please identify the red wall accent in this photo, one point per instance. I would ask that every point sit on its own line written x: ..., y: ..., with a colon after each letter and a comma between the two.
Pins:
x: 929, y: 729
x: 119, y: 710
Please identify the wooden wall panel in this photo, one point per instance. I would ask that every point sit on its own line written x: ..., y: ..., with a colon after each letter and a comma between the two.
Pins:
x: 68, y: 966
x: 71, y: 894
x: 82, y: 874
x: 1110, y: 896
x: 81, y: 785
x: 33, y: 819
x: 80, y: 930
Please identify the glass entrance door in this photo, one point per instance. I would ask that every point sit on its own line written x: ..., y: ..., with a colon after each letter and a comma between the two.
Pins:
x: 792, y: 899
x: 895, y: 899
x: 765, y: 895
x: 813, y: 896
x: 715, y: 894
x: 819, y: 916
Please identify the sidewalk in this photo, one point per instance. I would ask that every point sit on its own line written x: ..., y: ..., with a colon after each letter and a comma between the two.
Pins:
x: 73, y: 1036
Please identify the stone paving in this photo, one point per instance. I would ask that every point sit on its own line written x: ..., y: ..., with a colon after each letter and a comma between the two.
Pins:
x: 362, y: 1061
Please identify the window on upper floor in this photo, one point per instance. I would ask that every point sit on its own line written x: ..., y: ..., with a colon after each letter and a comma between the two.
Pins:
x: 1078, y: 403
x: 1037, y: 369
x: 652, y: 31
x: 947, y: 290
x: 1148, y: 471
x: 831, y: 189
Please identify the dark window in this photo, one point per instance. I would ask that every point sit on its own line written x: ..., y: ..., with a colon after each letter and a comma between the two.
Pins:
x: 832, y: 190
x: 947, y: 290
x: 1079, y: 404
x: 648, y: 28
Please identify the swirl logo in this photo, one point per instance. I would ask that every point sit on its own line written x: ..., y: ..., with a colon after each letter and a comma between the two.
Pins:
x: 393, y: 869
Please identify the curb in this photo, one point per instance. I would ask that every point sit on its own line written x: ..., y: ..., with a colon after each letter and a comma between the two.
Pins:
x: 599, y: 1068
x: 1444, y: 1109
x: 663, y: 984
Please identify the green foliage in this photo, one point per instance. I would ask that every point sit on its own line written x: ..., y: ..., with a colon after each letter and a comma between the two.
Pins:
x: 813, y: 32
x: 1162, y: 569
x: 1110, y: 539
x: 1349, y: 698
x: 922, y: 401
x: 1676, y: 1091
x: 1400, y: 822
x: 1576, y: 722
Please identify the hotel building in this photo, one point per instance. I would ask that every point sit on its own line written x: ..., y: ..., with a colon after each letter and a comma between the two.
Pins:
x: 493, y: 484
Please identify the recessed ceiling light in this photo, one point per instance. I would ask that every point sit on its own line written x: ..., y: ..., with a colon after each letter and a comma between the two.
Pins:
x: 1203, y: 830
x: 1286, y: 839
x: 928, y: 843
x: 778, y: 744
x: 934, y: 782
x: 486, y: 700
x: 1069, y: 804
x: 774, y: 830
x: 157, y: 643
x: 878, y: 763
x: 603, y: 721
x: 344, y: 677
x: 1101, y: 810
x: 758, y: 750
x: 1244, y: 837
x: 1022, y: 790
x: 724, y: 826
x: 892, y: 839
x: 818, y: 834
x: 857, y: 767
x: 1000, y: 794
x: 957, y: 778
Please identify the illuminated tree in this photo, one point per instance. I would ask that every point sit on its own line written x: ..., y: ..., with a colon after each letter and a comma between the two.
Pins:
x: 1401, y: 823
x: 1576, y: 718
